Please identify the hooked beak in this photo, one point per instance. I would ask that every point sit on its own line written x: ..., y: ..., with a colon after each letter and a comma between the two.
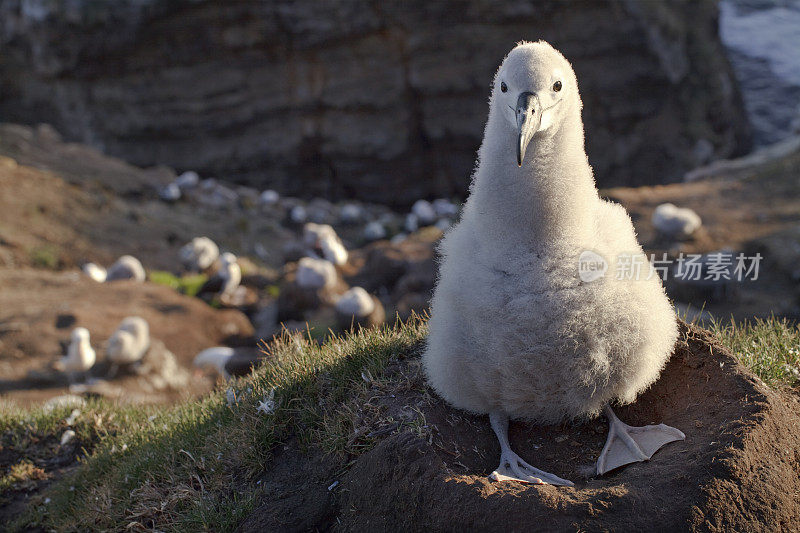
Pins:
x: 529, y: 118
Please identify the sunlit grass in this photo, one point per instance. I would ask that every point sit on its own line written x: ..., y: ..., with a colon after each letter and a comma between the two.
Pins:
x: 768, y: 347
x: 188, y: 285
x: 19, y: 475
x: 195, y: 466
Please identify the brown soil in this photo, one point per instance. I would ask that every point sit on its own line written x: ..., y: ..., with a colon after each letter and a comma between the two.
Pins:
x: 39, y: 309
x: 66, y: 204
x: 736, y: 470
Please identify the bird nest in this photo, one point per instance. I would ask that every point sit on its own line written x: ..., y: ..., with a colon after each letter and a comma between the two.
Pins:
x: 736, y: 469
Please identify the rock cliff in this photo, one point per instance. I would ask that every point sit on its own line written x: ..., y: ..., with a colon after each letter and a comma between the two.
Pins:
x: 381, y: 101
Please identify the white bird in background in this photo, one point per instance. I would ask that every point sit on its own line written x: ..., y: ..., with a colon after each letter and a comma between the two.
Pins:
x: 229, y: 362
x: 424, y: 212
x: 315, y: 273
x: 324, y: 238
x: 356, y: 302
x: 129, y: 342
x: 215, y: 358
x: 270, y: 197
x: 126, y: 267
x: 95, y: 271
x: 199, y: 254
x: 351, y: 214
x: 677, y: 222
x: 80, y: 354
x: 515, y: 331
x: 357, y: 307
x: 224, y: 283
x: 374, y: 231
x: 187, y: 180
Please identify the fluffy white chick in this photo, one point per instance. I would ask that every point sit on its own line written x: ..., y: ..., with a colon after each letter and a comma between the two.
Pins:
x: 199, y: 254
x: 674, y: 221
x: 129, y: 342
x: 515, y: 332
x: 80, y: 354
x: 126, y: 267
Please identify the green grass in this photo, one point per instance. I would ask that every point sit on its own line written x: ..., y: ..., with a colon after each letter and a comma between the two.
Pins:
x: 45, y: 256
x: 194, y: 466
x: 188, y: 285
x: 274, y: 291
x: 768, y: 347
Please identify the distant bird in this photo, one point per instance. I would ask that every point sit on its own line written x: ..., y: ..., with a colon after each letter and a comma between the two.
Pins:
x: 675, y: 222
x: 229, y: 362
x: 199, y: 254
x: 95, y: 271
x: 358, y: 307
x: 443, y: 224
x: 333, y: 250
x: 309, y: 285
x: 445, y: 208
x: 171, y: 192
x: 126, y: 267
x: 424, y: 211
x: 187, y: 180
x: 224, y: 283
x: 298, y: 214
x: 323, y: 238
x: 411, y: 223
x: 355, y: 302
x: 351, y: 214
x: 80, y: 354
x: 374, y: 231
x: 129, y: 342
x: 515, y: 331
x: 269, y: 197
x: 315, y: 273
x: 313, y: 232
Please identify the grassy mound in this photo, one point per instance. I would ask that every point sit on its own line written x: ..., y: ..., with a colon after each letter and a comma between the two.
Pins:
x: 194, y: 466
x: 197, y: 465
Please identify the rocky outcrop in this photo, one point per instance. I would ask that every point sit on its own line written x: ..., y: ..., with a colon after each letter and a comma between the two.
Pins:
x: 385, y: 102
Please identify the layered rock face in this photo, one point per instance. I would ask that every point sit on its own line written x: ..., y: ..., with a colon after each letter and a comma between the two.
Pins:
x: 381, y: 101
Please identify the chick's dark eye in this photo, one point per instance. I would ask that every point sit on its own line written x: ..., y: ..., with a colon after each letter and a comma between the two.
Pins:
x: 503, y: 86
x: 557, y: 86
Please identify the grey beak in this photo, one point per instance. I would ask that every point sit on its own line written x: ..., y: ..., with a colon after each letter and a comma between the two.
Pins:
x: 529, y: 118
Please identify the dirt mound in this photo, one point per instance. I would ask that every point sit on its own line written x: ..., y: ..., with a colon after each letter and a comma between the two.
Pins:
x: 736, y: 470
x: 39, y: 309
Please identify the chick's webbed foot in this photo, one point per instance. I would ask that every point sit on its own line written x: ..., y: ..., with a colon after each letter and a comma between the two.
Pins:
x: 512, y: 467
x: 627, y: 444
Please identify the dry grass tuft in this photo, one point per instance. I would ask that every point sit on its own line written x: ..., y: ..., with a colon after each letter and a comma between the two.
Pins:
x: 22, y: 476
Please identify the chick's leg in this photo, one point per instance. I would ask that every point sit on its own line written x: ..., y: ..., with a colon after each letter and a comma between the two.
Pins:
x: 512, y: 467
x: 627, y: 444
